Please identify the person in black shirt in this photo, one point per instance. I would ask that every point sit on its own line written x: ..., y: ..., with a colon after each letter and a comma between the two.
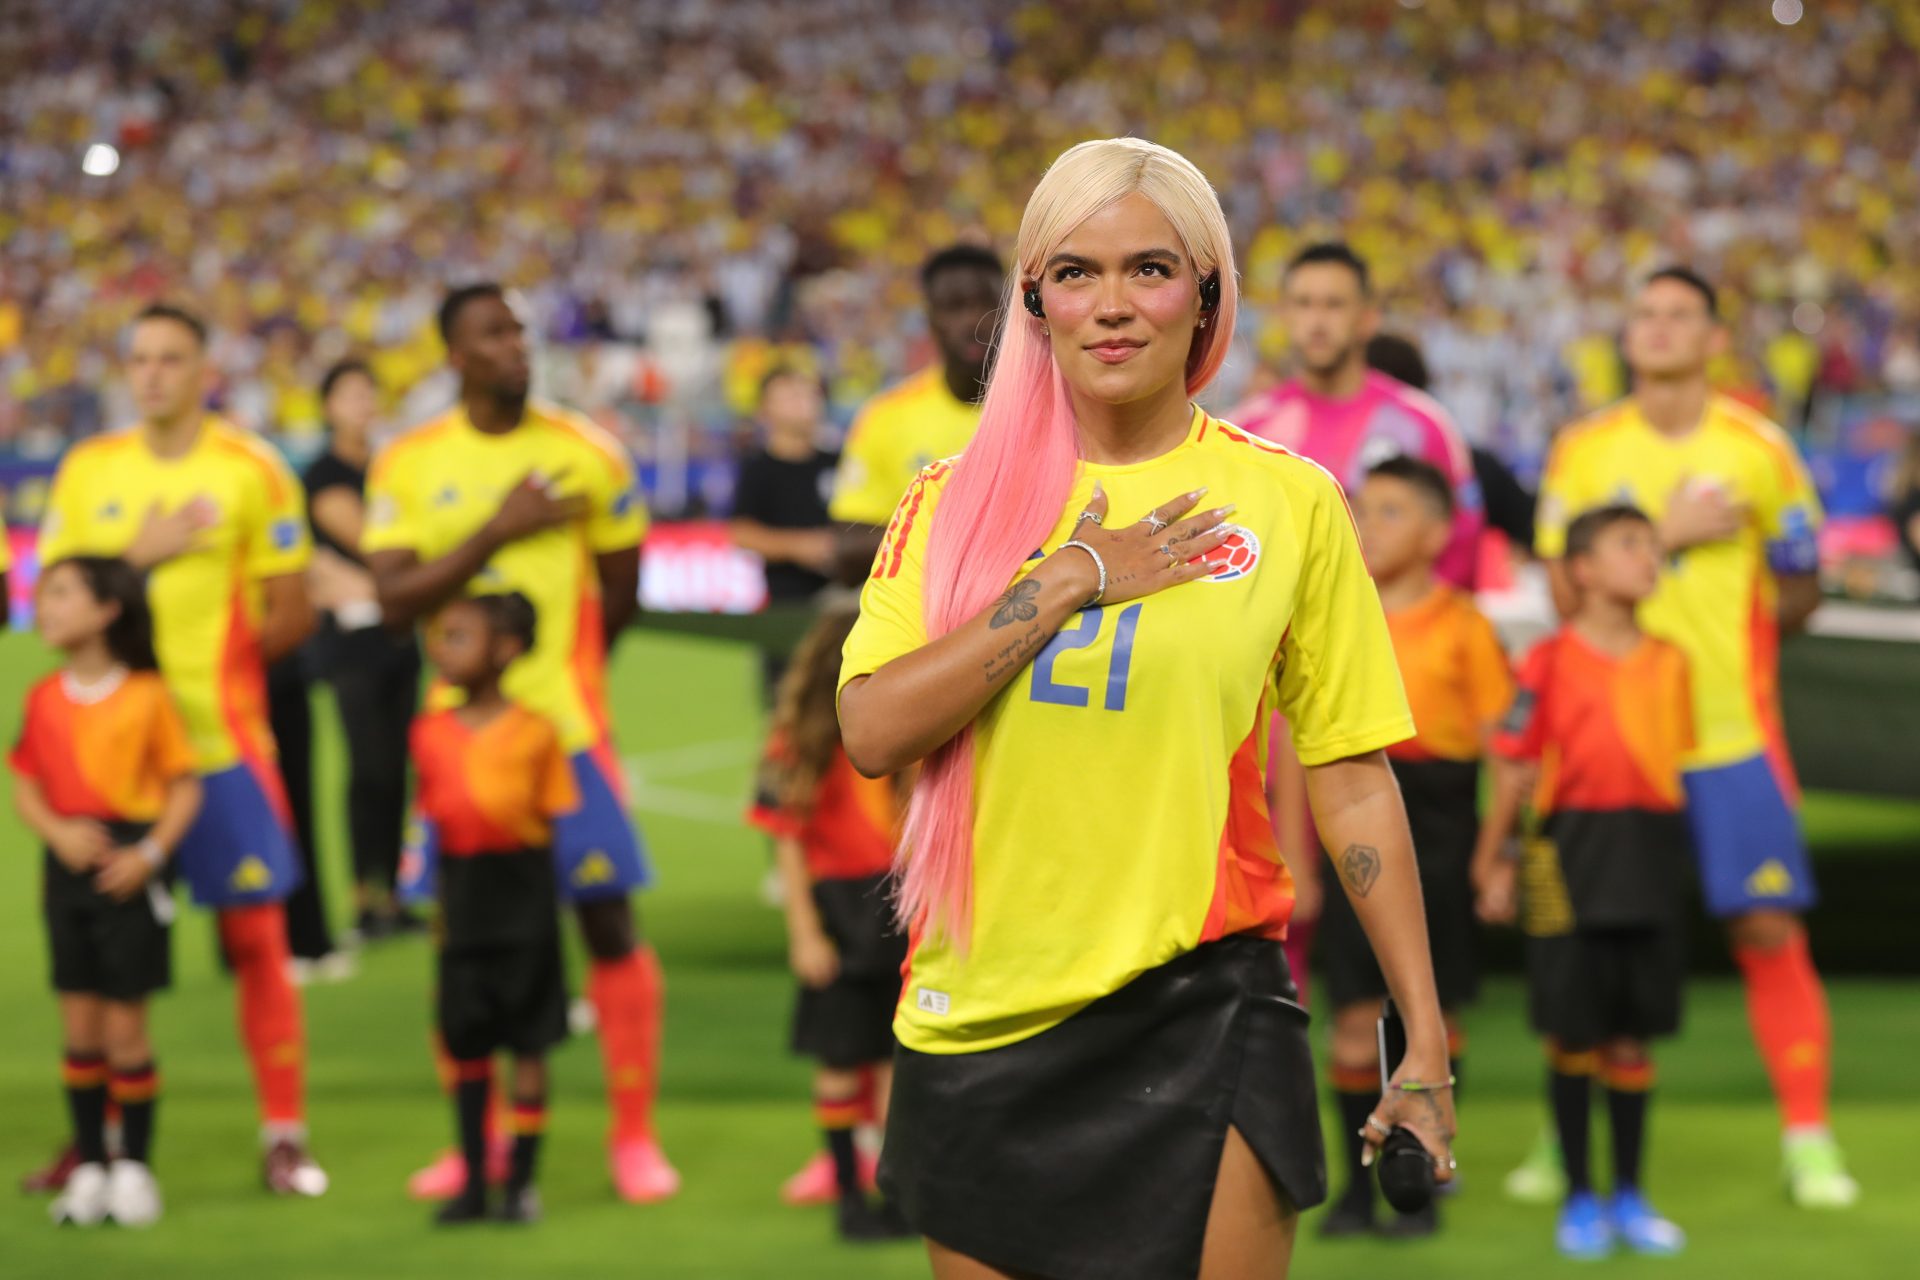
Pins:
x: 780, y: 503
x: 374, y: 672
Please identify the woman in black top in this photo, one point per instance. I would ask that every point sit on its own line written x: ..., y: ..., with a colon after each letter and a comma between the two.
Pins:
x: 374, y: 672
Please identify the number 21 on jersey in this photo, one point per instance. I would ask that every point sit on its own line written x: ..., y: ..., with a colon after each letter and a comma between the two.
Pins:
x: 1085, y: 630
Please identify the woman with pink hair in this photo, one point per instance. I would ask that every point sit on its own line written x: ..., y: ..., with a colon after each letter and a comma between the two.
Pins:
x: 1104, y: 1067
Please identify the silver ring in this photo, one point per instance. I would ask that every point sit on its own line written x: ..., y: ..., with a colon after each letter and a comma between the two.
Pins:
x: 1151, y: 519
x: 1090, y: 515
x: 1172, y: 555
x: 1374, y: 1124
x: 1451, y: 1164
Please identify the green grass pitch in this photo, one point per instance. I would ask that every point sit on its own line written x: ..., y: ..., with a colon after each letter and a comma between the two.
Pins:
x: 734, y: 1113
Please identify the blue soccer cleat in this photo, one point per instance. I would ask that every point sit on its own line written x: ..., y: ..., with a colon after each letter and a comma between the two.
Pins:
x: 1585, y: 1232
x: 1642, y: 1228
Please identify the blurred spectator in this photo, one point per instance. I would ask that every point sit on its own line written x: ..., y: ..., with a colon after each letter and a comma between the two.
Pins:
x: 663, y: 179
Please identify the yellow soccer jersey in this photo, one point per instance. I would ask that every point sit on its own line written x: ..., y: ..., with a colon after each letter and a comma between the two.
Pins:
x: 1715, y: 601
x: 432, y: 489
x: 207, y: 601
x: 1120, y: 780
x: 900, y: 431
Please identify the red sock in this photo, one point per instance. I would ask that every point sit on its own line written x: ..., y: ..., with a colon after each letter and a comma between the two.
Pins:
x: 628, y: 994
x: 869, y: 1110
x: 1788, y: 1009
x: 270, y: 1016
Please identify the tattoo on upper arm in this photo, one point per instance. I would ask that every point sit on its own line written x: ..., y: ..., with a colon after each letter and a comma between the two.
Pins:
x: 1017, y: 605
x: 1360, y: 867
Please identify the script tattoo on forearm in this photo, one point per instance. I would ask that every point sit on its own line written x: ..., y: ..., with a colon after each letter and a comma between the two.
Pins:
x: 1360, y: 867
x: 1014, y: 654
x: 1017, y: 605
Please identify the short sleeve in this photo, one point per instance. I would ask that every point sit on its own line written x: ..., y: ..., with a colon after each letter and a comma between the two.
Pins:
x: 1558, y: 504
x: 1489, y: 678
x: 393, y: 506
x: 24, y: 758
x: 169, y: 753
x: 1519, y: 734
x: 278, y: 541
x: 63, y: 521
x: 1339, y: 683
x: 559, y: 793
x: 892, y: 620
x: 617, y: 518
x: 1790, y: 514
x: 866, y: 488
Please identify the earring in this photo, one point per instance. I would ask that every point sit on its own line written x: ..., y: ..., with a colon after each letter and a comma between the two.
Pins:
x: 1045, y: 332
x: 1203, y: 322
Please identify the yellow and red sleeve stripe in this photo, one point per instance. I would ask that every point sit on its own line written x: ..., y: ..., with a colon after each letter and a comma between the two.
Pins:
x: 139, y: 1085
x: 1572, y: 1062
x: 527, y: 1118
x: 1628, y: 1077
x: 1354, y: 1079
x: 837, y: 1115
x: 83, y: 1071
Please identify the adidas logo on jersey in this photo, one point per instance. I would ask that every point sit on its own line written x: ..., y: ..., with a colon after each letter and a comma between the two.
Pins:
x: 1234, y: 558
x: 251, y: 876
x: 595, y: 868
x: 1770, y: 880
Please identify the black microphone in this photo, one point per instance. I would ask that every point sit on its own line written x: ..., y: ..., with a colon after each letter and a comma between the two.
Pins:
x: 1406, y: 1171
x: 1405, y: 1168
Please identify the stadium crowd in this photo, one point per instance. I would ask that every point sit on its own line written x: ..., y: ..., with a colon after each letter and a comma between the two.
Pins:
x: 689, y: 192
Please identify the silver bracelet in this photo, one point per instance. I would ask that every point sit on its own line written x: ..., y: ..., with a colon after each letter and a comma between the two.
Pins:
x: 1098, y: 563
x: 151, y: 853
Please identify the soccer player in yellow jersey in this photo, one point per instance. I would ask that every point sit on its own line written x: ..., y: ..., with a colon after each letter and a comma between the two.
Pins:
x: 217, y: 521
x: 928, y: 416
x: 1105, y: 1069
x: 1737, y: 516
x: 500, y: 494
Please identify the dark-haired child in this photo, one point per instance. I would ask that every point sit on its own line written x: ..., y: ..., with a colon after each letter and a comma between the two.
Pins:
x: 1605, y: 715
x: 834, y: 834
x: 492, y: 778
x: 103, y: 774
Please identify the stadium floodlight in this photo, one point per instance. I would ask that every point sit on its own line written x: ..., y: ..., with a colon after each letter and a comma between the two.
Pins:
x: 101, y: 160
x: 1788, y: 12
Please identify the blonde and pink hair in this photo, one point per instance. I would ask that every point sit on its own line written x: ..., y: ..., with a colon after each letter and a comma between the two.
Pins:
x: 1008, y: 489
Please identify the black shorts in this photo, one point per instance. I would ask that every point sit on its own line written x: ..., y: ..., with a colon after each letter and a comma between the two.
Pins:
x: 119, y: 950
x: 1441, y: 798
x: 1591, y: 986
x: 849, y: 1022
x: 512, y: 996
x: 1090, y: 1150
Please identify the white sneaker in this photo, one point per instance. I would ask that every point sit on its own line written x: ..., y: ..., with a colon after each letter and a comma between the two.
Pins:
x: 133, y: 1197
x: 84, y: 1201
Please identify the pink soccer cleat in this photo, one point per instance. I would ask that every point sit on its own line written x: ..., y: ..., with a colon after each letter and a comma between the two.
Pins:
x: 815, y: 1184
x: 446, y: 1177
x: 641, y: 1174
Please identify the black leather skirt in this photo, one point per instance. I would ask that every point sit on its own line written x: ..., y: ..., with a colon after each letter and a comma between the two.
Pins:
x: 1090, y: 1150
